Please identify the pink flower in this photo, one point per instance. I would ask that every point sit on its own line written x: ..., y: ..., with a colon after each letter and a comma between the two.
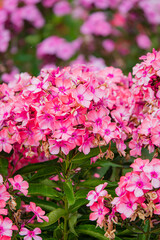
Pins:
x: 39, y: 213
x: 6, y: 227
x: 94, y: 195
x: 99, y: 211
x: 126, y: 204
x: 82, y: 95
x: 139, y: 184
x: 5, y: 141
x: 2, y: 206
x: 139, y: 164
x: 152, y: 171
x: 143, y: 41
x: 19, y: 184
x: 30, y: 234
x: 4, y: 195
x: 62, y: 8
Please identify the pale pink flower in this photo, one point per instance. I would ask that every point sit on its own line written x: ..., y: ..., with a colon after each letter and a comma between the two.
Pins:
x: 4, y: 195
x: 2, y: 206
x: 139, y: 164
x: 82, y: 95
x: 19, y: 184
x: 30, y: 234
x: 126, y: 204
x: 99, y: 192
x: 6, y: 227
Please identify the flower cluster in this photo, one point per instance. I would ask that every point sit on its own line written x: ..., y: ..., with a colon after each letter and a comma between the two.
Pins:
x: 63, y: 109
x: 8, y: 207
x: 138, y: 196
x: 80, y: 107
x: 146, y: 90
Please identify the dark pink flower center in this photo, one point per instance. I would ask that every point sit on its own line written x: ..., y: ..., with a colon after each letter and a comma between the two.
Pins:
x: 154, y: 174
x: 63, y: 129
x: 110, y: 75
x: 107, y: 132
x: 80, y: 97
x: 139, y: 184
x: 100, y: 211
x: 17, y: 185
x: 129, y: 204
x: 62, y: 89
x: 98, y: 121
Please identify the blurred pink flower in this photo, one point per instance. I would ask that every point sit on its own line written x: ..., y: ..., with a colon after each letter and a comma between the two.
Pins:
x: 143, y: 41
x: 62, y: 8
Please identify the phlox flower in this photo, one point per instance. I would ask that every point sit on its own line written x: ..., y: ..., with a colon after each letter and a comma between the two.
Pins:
x: 4, y: 195
x: 30, y: 234
x: 1, y: 179
x: 126, y: 204
x: 152, y: 171
x: 99, y: 192
x: 57, y: 145
x: 99, y: 211
x: 6, y: 227
x: 2, y: 206
x: 139, y: 184
x: 39, y: 213
x: 5, y: 141
x: 139, y: 164
x: 19, y: 184
x: 96, y: 118
x: 63, y: 130
x: 82, y: 96
x: 107, y: 131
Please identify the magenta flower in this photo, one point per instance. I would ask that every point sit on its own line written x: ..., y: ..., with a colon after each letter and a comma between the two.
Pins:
x: 19, y: 184
x: 99, y: 211
x: 94, y: 195
x: 30, y: 234
x: 39, y: 213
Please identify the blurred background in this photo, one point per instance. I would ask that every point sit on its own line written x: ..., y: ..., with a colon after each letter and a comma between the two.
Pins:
x: 37, y: 34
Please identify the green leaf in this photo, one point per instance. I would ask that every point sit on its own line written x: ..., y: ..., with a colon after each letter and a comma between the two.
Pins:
x: 81, y: 194
x: 53, y: 217
x: 94, y: 152
x: 91, y: 183
x: 4, y: 166
x: 146, y: 155
x: 34, y: 167
x: 92, y: 231
x: 78, y: 204
x: 72, y: 223
x: 68, y: 190
x: 43, y: 190
x: 44, y: 173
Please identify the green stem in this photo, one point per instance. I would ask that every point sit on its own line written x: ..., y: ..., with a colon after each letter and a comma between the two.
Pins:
x: 66, y: 221
x: 147, y: 234
x: 65, y: 237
